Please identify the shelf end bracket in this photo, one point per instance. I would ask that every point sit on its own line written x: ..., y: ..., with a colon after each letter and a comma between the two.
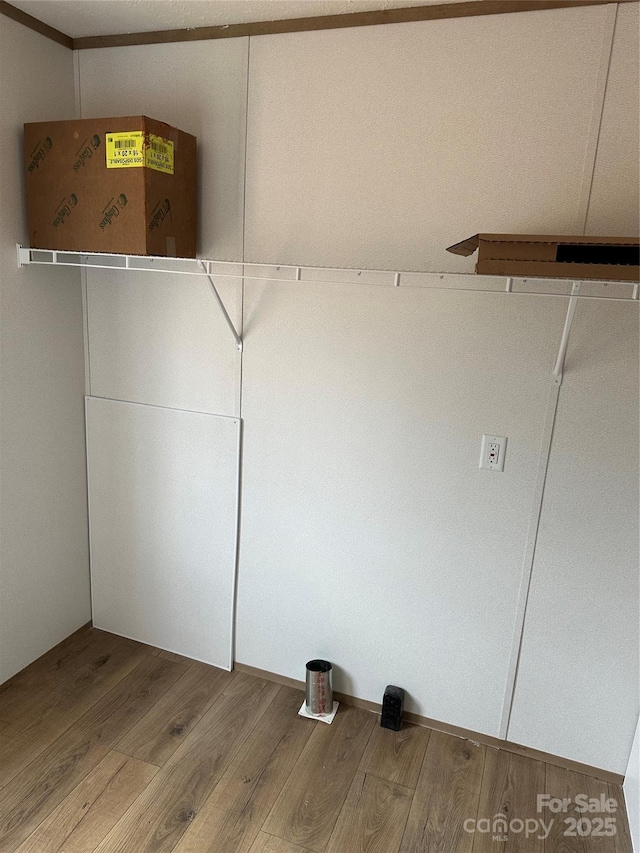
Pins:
x: 24, y: 255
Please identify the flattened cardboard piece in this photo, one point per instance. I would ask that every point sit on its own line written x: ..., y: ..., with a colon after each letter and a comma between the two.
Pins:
x: 554, y: 256
x: 125, y: 185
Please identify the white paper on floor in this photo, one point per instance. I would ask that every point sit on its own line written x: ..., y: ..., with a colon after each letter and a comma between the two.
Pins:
x: 324, y: 718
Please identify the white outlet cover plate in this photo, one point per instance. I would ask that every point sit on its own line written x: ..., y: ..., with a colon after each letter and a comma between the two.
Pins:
x: 486, y: 460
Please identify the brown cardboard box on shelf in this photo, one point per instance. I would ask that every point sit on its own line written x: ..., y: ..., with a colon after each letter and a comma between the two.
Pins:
x: 120, y: 185
x: 554, y: 256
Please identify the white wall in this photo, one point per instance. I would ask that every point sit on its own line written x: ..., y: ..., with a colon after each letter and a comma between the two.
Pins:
x: 44, y: 577
x: 632, y: 791
x: 382, y: 146
x: 162, y: 340
x: 613, y: 206
x: 363, y: 406
x: 362, y: 497
x: 201, y: 88
x: 580, y: 645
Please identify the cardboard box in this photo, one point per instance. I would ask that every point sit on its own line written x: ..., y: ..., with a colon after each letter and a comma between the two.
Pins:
x: 121, y: 185
x: 553, y: 256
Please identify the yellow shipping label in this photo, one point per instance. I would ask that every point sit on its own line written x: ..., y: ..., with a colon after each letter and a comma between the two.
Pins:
x: 125, y: 150
x: 159, y: 154
x: 130, y: 150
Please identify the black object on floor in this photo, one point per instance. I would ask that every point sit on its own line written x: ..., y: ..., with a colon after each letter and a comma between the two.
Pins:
x: 392, y: 708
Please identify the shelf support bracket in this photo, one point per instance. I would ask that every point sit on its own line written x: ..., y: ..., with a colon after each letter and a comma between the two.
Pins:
x: 204, y: 266
x: 558, y: 368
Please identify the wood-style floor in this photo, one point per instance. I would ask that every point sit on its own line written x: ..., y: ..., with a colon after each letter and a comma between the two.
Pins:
x: 108, y: 745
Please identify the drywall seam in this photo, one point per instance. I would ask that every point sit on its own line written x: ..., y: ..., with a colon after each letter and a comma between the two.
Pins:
x: 86, y: 456
x: 244, y: 219
x: 236, y: 568
x: 246, y: 139
x: 85, y: 331
x: 529, y: 555
x: 234, y: 618
x: 77, y: 87
x: 593, y: 139
x: 76, y: 83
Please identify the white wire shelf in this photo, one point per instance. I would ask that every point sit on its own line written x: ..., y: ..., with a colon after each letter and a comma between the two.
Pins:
x: 597, y: 289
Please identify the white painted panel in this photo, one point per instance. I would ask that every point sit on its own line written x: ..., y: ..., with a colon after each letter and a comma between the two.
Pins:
x: 381, y: 146
x: 162, y: 339
x: 199, y: 87
x: 369, y: 534
x: 163, y: 498
x: 614, y: 207
x: 632, y: 791
x: 577, y: 688
x: 44, y: 566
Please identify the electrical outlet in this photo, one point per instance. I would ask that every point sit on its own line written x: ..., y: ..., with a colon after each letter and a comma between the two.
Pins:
x: 492, y: 452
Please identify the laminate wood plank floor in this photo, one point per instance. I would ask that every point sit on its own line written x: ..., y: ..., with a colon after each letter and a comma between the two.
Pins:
x: 447, y: 794
x: 53, y: 713
x: 111, y: 746
x: 160, y: 732
x: 33, y: 794
x: 510, y: 786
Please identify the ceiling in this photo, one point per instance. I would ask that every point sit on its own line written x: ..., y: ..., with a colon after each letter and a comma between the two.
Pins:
x: 78, y: 18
